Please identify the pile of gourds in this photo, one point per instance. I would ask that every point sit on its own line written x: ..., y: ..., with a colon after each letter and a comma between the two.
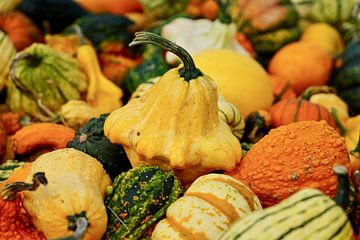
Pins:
x: 191, y: 119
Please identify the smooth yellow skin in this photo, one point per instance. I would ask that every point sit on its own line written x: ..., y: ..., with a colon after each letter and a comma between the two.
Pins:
x: 103, y: 95
x: 176, y: 125
x: 353, y: 131
x: 76, y: 182
x: 8, y: 51
x: 241, y: 80
x: 324, y: 36
x: 332, y: 101
x: 212, y: 203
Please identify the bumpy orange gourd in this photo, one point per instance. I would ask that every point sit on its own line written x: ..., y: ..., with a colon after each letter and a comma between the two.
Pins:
x: 291, y: 158
x: 20, y: 29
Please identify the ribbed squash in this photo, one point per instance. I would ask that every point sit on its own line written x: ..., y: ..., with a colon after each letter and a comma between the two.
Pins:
x: 308, y: 214
x: 8, y: 51
x: 42, y: 80
x: 227, y: 111
x: 90, y: 139
x: 176, y: 124
x: 76, y: 113
x: 209, y: 206
x: 139, y: 198
x: 292, y: 157
x: 66, y: 195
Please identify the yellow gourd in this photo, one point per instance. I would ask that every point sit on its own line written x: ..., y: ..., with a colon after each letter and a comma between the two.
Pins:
x: 67, y: 194
x: 352, y: 140
x: 103, y: 95
x: 176, y: 123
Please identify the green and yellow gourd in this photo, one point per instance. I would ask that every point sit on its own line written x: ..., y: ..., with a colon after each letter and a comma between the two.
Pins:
x: 8, y: 51
x: 307, y: 214
x: 7, y: 168
x: 138, y: 199
x: 176, y: 124
x: 209, y: 206
x: 227, y: 111
x: 42, y: 80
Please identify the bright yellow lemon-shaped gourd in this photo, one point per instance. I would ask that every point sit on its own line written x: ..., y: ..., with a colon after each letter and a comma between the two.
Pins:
x: 241, y: 80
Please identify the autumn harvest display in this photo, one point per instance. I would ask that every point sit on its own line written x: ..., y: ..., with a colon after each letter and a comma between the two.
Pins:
x: 179, y: 120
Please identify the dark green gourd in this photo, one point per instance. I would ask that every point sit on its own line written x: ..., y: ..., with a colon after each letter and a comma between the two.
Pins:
x: 138, y: 199
x: 90, y: 139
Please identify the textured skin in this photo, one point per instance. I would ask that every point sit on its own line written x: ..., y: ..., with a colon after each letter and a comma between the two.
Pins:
x: 140, y: 198
x: 293, y: 157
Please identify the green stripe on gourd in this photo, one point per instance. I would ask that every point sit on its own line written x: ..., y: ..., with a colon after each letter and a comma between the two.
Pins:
x: 308, y: 214
x: 7, y: 168
x: 8, y: 51
x: 227, y: 111
x: 139, y: 198
x: 47, y: 78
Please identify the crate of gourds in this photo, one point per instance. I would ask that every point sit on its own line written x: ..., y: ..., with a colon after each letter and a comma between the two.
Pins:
x: 179, y: 120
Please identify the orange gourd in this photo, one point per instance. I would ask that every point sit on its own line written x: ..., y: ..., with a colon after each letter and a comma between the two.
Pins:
x: 11, y: 122
x: 299, y: 155
x: 20, y: 29
x: 111, y: 6
x: 281, y: 88
x: 41, y: 135
x: 296, y: 109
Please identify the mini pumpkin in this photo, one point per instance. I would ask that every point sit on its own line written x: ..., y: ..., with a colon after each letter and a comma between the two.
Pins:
x: 292, y: 157
x: 176, y: 123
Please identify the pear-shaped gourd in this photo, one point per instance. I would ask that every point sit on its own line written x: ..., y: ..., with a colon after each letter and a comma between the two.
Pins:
x: 176, y: 123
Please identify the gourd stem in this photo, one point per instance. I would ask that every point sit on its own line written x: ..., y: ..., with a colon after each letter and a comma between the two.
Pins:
x: 337, y: 121
x: 80, y: 33
x: 311, y: 91
x: 223, y: 14
x: 189, y: 71
x: 356, y: 151
x: 10, y: 190
x: 79, y: 224
x: 342, y: 197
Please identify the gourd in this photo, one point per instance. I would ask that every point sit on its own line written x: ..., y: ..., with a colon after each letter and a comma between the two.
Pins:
x: 269, y: 25
x: 163, y: 9
x: 179, y: 117
x: 296, y: 109
x: 112, y: 6
x: 281, y: 88
x: 41, y: 135
x: 8, y: 5
x: 76, y: 113
x: 257, y: 125
x: 103, y: 95
x: 307, y: 214
x: 292, y: 157
x: 20, y: 29
x: 138, y: 199
x: 213, y: 202
x: 11, y: 122
x: 347, y: 78
x: 7, y: 53
x: 40, y: 87
x: 66, y: 195
x: 90, y: 139
x: 3, y: 141
x: 7, y: 168
x: 352, y: 141
x: 227, y: 111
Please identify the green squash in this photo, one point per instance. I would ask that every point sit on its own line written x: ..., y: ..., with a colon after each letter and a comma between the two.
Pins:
x: 42, y: 80
x: 7, y: 168
x: 90, y: 139
x: 347, y: 78
x: 138, y: 199
x: 269, y: 25
x: 307, y: 214
x: 153, y: 65
x: 102, y: 29
x: 163, y: 9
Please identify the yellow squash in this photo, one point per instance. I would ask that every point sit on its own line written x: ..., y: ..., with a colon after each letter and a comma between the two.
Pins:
x: 176, y: 123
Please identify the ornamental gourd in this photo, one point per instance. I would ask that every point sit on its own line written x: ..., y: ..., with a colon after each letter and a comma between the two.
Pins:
x: 209, y: 206
x: 42, y: 80
x: 8, y: 51
x: 307, y: 214
x: 176, y: 123
x: 66, y: 195
x: 138, y: 199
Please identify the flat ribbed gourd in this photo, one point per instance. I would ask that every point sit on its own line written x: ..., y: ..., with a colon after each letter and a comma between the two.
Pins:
x: 176, y: 123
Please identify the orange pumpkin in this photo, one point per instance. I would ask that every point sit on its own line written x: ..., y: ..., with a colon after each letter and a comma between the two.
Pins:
x: 293, y: 157
x: 111, y: 6
x: 296, y: 109
x: 281, y: 88
x: 20, y: 29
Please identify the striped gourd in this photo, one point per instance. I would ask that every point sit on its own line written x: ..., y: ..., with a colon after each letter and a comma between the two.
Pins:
x: 209, y: 206
x: 308, y: 214
x: 8, y: 5
x: 8, y: 51
x: 227, y: 111
x: 7, y: 168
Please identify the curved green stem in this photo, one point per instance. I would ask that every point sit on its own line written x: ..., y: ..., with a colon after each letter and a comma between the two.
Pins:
x: 338, y: 122
x: 80, y: 33
x: 311, y: 91
x: 224, y: 7
x: 344, y: 194
x: 10, y: 190
x: 189, y: 71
